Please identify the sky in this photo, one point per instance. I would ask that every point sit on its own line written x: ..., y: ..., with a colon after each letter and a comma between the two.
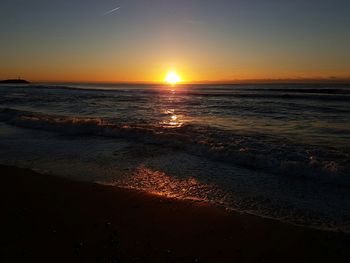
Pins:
x: 223, y: 40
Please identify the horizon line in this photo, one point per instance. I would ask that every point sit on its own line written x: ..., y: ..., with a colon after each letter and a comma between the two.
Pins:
x: 345, y: 80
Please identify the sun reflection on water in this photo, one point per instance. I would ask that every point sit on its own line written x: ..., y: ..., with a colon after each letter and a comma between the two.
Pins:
x: 159, y: 183
x: 171, y: 119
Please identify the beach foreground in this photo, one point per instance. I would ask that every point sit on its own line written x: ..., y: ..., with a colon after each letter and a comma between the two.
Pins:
x: 51, y: 219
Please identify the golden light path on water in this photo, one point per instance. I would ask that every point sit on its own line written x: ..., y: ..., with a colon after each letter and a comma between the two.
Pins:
x: 159, y: 183
x: 153, y: 181
x: 172, y: 120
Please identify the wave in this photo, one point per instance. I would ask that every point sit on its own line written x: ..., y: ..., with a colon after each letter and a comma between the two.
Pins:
x: 285, y: 93
x: 286, y: 96
x: 256, y: 152
x: 305, y: 90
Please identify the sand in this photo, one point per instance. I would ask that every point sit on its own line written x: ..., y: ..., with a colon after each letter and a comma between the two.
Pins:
x: 51, y: 219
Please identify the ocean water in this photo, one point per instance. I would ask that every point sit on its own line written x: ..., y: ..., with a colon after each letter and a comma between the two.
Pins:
x: 279, y: 151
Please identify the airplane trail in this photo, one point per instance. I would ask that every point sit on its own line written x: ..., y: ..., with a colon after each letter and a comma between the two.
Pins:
x: 111, y: 11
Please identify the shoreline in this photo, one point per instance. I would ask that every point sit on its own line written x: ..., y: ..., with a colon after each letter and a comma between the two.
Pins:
x: 53, y: 219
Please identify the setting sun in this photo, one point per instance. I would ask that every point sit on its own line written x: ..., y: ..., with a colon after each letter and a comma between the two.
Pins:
x: 172, y: 78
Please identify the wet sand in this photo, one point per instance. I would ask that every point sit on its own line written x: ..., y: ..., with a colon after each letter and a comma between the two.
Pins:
x: 50, y: 219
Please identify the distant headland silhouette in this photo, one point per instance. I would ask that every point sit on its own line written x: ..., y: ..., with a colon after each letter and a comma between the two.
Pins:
x: 14, y: 81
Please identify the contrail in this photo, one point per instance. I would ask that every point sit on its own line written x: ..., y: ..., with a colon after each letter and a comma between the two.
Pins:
x: 111, y: 11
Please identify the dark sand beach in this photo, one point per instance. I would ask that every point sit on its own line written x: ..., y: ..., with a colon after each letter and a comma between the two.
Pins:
x: 51, y: 219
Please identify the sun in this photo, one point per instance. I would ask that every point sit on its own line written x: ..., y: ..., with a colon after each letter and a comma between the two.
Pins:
x: 172, y: 78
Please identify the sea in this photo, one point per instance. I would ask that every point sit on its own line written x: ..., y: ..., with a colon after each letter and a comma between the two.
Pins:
x: 279, y: 151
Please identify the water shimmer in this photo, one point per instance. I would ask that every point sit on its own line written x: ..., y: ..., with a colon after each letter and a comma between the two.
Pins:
x: 280, y: 151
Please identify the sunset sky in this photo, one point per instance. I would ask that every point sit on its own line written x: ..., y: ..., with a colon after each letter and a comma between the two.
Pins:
x: 79, y: 40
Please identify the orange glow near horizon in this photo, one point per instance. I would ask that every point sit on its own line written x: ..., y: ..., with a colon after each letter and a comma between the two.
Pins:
x: 112, y: 72
x: 153, y: 74
x: 204, y: 42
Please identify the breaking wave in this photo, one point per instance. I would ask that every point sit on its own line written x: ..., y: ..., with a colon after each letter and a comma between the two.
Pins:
x: 235, y: 91
x: 256, y: 152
